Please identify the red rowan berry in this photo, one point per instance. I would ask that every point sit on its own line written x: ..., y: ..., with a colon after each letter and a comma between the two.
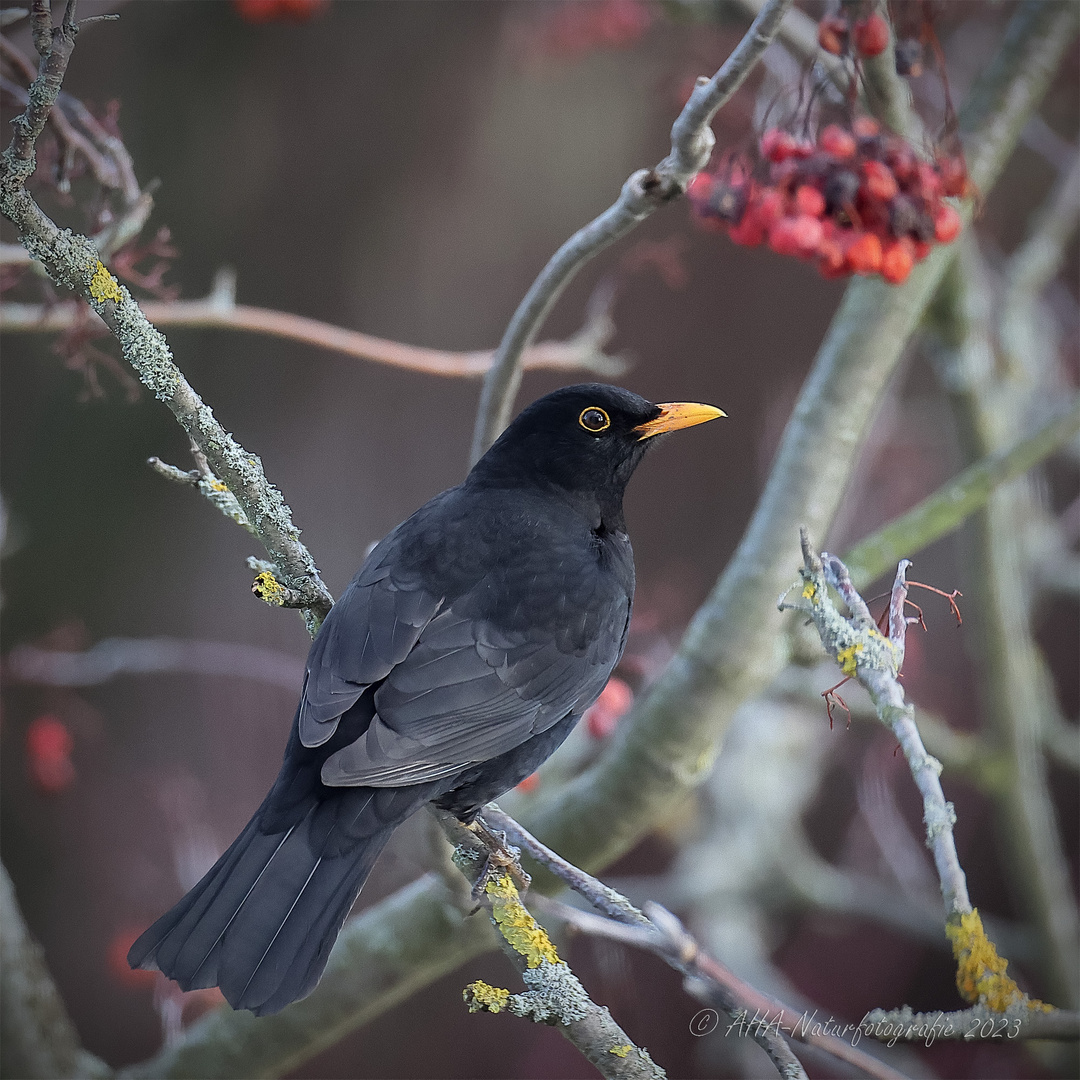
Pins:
x: 896, y: 261
x: 832, y: 34
x: 864, y: 254
x: 808, y: 200
x: 871, y: 35
x: 836, y: 141
x: 795, y: 235
x: 865, y: 127
x: 954, y: 177
x: 947, y: 224
x: 880, y: 183
x: 777, y: 145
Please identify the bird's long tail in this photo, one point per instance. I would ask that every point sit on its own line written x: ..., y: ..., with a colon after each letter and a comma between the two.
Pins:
x: 261, y: 923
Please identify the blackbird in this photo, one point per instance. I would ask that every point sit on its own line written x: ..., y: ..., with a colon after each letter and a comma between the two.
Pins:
x: 457, y: 660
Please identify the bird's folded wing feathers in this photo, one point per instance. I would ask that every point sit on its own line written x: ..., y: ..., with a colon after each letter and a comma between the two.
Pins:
x: 368, y: 631
x: 468, y: 692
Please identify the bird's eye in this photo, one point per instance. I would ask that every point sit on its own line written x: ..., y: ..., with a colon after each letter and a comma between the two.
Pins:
x: 594, y: 419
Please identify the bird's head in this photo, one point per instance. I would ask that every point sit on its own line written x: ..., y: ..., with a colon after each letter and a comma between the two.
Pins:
x: 586, y: 439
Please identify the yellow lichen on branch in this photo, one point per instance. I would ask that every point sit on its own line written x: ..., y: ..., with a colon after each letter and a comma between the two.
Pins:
x: 103, y: 286
x: 980, y: 971
x: 267, y: 587
x: 524, y: 934
x: 621, y: 1051
x: 482, y: 997
x: 846, y: 658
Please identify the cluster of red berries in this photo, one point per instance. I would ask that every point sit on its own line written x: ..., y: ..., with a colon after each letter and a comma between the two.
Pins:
x: 856, y: 201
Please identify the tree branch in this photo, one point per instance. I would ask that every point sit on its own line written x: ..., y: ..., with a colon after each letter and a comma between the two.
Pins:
x: 555, y: 995
x: 37, y: 1039
x: 645, y: 191
x: 582, y: 352
x: 948, y: 507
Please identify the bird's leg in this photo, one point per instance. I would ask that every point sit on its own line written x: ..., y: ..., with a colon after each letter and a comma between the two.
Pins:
x: 501, y: 856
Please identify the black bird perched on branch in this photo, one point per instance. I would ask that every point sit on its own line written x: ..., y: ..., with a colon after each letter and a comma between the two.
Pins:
x: 460, y: 656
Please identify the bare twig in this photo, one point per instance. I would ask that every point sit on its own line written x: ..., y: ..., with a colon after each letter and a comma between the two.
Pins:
x: 114, y: 657
x: 645, y: 191
x: 73, y: 261
x: 582, y: 352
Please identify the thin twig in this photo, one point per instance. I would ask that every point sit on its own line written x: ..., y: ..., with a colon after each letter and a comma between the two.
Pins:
x: 582, y: 352
x: 111, y: 658
x: 645, y: 191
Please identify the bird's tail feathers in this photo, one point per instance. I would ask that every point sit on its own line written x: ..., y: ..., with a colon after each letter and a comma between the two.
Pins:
x: 262, y: 921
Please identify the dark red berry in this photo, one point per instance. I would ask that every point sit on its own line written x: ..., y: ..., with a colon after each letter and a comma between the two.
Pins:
x: 947, y: 224
x: 871, y: 35
x: 832, y: 34
x: 840, y: 190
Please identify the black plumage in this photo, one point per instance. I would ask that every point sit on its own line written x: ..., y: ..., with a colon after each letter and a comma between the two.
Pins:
x: 457, y: 660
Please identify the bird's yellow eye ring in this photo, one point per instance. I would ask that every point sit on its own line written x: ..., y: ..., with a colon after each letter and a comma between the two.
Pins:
x: 594, y: 419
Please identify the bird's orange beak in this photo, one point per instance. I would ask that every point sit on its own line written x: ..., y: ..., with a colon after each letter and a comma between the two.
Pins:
x: 675, y: 415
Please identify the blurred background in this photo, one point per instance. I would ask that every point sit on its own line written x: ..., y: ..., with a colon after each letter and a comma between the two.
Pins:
x: 406, y: 170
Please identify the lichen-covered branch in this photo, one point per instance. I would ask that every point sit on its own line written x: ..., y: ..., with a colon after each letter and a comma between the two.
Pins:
x: 955, y: 501
x: 864, y: 653
x: 37, y: 1039
x: 555, y: 995
x: 582, y: 352
x: 977, y: 1023
x: 72, y: 261
x: 645, y: 191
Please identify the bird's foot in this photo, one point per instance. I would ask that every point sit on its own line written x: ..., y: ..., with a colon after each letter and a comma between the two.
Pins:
x: 501, y: 856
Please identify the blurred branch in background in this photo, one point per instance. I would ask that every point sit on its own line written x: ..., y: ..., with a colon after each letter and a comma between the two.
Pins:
x: 114, y: 657
x: 645, y: 191
x: 582, y: 352
x: 995, y: 402
x: 37, y: 1039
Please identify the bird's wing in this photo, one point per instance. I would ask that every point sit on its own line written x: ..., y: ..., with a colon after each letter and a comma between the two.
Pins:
x: 469, y: 691
x: 369, y: 630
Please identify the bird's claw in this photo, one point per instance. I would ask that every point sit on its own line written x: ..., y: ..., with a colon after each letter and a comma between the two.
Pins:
x: 501, y: 856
